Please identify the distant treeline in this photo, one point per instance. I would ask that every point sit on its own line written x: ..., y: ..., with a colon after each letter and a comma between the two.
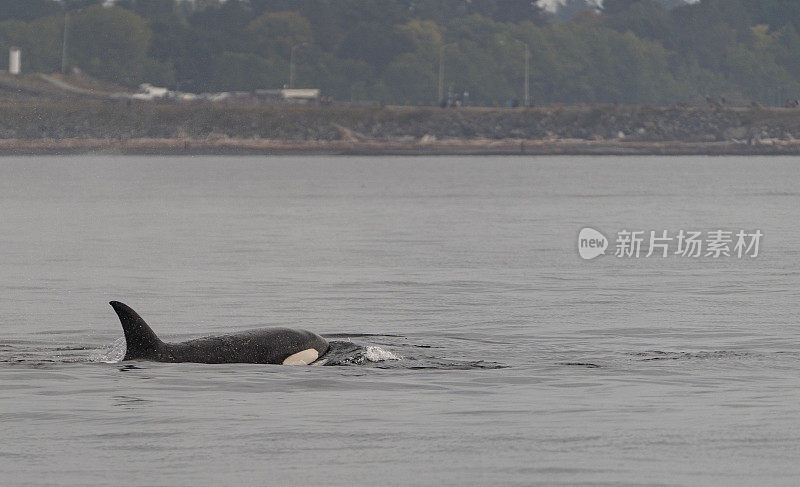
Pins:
x: 632, y: 51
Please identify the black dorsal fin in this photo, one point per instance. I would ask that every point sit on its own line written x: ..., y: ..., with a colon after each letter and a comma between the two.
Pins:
x: 140, y: 340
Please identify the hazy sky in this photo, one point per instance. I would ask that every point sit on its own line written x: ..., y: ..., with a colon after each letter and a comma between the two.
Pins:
x: 552, y: 4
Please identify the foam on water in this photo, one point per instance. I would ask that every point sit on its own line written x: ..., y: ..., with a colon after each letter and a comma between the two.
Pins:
x: 377, y: 354
x: 112, y: 354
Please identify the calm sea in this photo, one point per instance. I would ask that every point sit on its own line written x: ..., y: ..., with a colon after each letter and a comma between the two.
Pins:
x: 475, y: 346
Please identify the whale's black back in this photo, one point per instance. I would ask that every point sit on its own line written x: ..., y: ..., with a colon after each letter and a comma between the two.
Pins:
x: 262, y: 346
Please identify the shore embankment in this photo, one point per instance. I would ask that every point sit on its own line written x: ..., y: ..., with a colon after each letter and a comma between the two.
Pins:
x: 101, y: 126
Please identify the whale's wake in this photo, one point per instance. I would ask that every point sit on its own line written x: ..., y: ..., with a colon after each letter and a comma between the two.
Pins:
x: 351, y: 354
x: 112, y: 354
x: 385, y: 354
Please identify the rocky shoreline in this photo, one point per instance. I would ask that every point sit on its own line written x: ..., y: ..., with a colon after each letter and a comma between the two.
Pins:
x: 152, y: 128
x: 446, y: 147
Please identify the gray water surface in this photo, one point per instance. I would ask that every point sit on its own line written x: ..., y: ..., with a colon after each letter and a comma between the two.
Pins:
x: 486, y: 351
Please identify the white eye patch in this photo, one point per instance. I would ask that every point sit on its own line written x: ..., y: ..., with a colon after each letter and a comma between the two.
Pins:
x: 302, y: 358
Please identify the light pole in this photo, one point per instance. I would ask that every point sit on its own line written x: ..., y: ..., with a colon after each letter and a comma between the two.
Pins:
x: 527, y: 82
x: 291, y: 63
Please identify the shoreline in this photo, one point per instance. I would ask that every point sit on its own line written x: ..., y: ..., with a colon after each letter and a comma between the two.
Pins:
x: 231, y: 146
x: 69, y: 127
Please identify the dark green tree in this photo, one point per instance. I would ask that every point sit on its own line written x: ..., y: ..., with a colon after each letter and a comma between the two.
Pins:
x: 27, y: 9
x: 111, y: 43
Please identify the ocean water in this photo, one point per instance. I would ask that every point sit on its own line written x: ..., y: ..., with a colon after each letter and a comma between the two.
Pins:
x: 473, y: 345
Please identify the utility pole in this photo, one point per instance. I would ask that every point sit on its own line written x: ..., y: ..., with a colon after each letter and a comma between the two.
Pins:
x: 441, y: 71
x: 441, y: 75
x: 527, y: 75
x: 64, y: 43
x: 292, y: 64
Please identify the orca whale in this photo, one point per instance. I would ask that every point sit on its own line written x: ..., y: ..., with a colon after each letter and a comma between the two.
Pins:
x: 263, y: 346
